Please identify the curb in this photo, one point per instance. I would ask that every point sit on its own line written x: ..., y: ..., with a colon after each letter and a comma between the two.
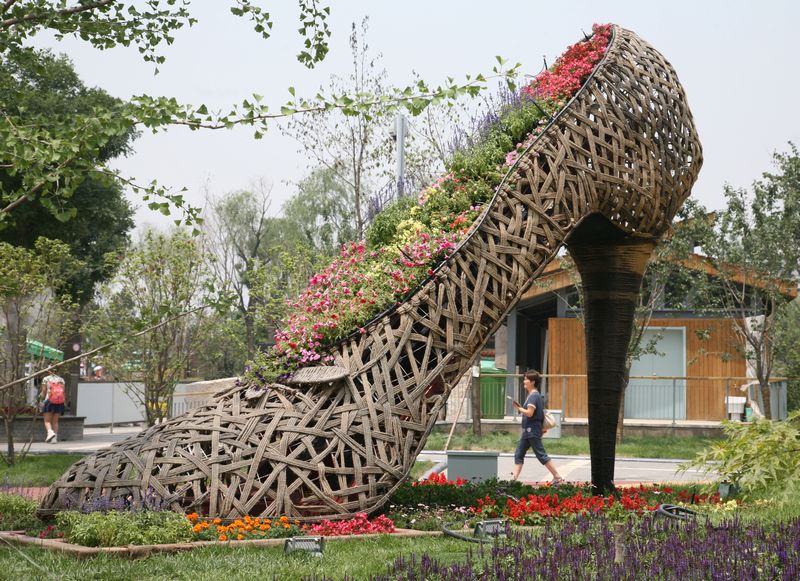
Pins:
x: 144, y: 551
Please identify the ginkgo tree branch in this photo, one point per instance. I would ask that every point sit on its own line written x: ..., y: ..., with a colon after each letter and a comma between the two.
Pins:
x: 78, y: 8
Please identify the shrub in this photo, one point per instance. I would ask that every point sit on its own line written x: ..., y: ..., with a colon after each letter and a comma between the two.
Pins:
x: 760, y: 456
x: 382, y: 229
x: 97, y: 529
x: 17, y: 513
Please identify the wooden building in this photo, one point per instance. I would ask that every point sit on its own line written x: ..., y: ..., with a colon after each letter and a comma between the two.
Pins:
x: 700, y: 360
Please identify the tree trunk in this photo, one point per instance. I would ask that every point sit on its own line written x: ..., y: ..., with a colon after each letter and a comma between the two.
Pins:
x: 71, y: 372
x: 621, y: 416
x: 250, y: 335
x: 476, y: 401
x: 766, y: 392
x: 10, y: 453
x: 611, y: 268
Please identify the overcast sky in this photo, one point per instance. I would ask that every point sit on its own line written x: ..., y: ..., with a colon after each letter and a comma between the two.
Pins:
x: 737, y: 61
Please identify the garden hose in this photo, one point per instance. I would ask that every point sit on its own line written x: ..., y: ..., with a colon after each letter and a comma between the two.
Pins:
x: 676, y: 512
x: 471, y: 539
x: 448, y: 533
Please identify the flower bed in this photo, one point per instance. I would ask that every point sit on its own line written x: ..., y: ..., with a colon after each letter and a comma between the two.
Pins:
x: 139, y: 533
x: 427, y: 506
x: 246, y: 529
x: 250, y: 528
x: 652, y: 548
x: 410, y: 239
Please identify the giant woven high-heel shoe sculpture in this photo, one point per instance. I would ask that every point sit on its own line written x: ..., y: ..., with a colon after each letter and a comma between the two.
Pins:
x: 605, y: 177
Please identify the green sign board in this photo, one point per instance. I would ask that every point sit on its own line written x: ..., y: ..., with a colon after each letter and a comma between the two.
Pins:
x: 39, y: 349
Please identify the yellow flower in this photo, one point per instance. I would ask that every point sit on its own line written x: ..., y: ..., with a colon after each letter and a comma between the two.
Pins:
x: 239, y: 537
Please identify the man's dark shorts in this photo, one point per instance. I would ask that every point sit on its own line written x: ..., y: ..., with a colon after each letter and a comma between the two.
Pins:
x: 538, y: 449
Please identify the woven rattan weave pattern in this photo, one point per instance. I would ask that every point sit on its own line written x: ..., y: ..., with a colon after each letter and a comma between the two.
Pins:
x: 624, y: 147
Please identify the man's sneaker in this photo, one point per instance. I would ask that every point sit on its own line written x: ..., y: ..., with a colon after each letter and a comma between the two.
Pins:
x: 54, y: 440
x: 51, y: 436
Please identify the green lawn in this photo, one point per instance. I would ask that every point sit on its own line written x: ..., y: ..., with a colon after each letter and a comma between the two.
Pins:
x: 359, y: 559
x: 35, y: 470
x: 356, y: 559
x: 631, y: 447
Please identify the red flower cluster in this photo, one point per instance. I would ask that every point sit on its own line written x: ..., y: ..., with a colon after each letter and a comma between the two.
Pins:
x: 358, y: 525
x: 529, y: 510
x: 439, y: 479
x: 51, y: 532
x: 551, y: 505
x: 571, y: 69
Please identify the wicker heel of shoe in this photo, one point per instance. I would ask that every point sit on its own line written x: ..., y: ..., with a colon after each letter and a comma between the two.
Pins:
x: 611, y: 266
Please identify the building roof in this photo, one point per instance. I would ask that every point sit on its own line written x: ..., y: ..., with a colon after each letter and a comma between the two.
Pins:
x: 558, y: 275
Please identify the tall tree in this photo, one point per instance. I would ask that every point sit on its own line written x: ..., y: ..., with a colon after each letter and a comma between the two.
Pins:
x: 34, y: 305
x: 48, y: 86
x: 321, y: 210
x: 787, y: 350
x: 754, y: 246
x: 354, y: 147
x: 244, y: 238
x: 162, y: 279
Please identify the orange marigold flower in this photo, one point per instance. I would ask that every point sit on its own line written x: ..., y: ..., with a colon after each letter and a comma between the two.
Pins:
x: 223, y: 538
x: 192, y: 516
x: 284, y: 519
x: 216, y: 521
x: 239, y: 537
x: 264, y: 527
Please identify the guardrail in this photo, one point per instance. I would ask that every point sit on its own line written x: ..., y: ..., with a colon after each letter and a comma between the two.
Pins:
x: 664, y: 397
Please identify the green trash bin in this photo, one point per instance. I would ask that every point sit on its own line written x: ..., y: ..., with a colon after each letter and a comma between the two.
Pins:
x: 493, y: 391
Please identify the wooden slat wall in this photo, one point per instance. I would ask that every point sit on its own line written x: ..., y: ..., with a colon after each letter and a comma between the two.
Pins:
x: 716, y: 356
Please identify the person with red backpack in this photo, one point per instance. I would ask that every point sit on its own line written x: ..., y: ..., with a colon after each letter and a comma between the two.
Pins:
x: 53, y: 392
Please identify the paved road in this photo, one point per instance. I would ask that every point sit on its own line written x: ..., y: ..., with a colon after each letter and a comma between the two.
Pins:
x: 573, y: 468
x: 93, y: 439
x: 578, y: 468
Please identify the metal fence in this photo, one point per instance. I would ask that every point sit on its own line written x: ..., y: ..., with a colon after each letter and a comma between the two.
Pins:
x: 673, y: 398
x: 669, y: 398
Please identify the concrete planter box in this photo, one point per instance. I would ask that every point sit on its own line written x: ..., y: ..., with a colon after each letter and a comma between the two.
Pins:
x: 471, y: 465
x: 69, y: 428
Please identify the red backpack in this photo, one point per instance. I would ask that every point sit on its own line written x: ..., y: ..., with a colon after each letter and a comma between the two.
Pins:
x: 56, y: 392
